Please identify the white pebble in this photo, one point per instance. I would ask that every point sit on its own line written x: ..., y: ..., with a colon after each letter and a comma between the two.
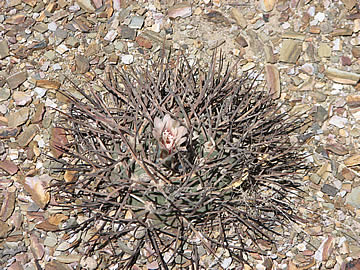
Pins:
x: 320, y: 16
x: 39, y: 165
x: 3, y: 108
x: 111, y: 35
x: 285, y: 25
x: 13, y: 154
x: 52, y: 26
x: 156, y: 27
x: 45, y: 66
x: 311, y: 11
x: 342, y: 193
x: 337, y: 44
x: 88, y: 263
x: 260, y: 267
x: 62, y: 48
x: 226, y: 263
x: 56, y: 66
x: 338, y: 121
x: 127, y: 59
x: 50, y: 103
x: 40, y: 91
x: 301, y: 247
x: 74, y: 8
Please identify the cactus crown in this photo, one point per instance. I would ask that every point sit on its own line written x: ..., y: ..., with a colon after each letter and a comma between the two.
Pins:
x: 172, y: 158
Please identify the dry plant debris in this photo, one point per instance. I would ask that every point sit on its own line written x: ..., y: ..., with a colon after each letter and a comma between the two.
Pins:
x: 171, y: 162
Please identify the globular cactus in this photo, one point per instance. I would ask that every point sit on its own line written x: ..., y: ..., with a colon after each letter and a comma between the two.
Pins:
x: 170, y: 159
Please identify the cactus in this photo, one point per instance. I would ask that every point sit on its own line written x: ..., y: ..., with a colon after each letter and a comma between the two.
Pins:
x: 170, y: 159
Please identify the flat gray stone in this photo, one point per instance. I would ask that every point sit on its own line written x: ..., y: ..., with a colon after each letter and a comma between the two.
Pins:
x: 27, y: 135
x: 4, y: 49
x: 127, y: 32
x: 329, y: 190
x: 353, y: 198
x: 136, y: 22
x: 16, y: 79
x: 290, y: 51
x: 72, y: 42
x: 51, y: 55
x: 40, y: 27
x: 239, y: 17
x: 19, y: 117
x: 341, y: 76
x: 324, y: 50
x: 4, y: 93
x: 82, y: 64
x: 86, y: 5
x: 61, y: 33
x: 50, y: 241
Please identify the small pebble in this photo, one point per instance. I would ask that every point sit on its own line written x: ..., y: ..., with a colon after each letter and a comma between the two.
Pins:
x: 56, y: 67
x: 52, y: 26
x: 127, y: 59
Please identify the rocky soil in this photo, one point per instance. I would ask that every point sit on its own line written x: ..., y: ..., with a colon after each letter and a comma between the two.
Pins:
x: 306, y: 51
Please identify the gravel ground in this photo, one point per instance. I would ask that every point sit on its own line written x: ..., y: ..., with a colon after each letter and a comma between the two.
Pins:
x: 309, y: 56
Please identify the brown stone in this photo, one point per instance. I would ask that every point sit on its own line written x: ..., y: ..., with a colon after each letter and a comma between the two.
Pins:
x: 182, y: 10
x: 272, y: 76
x: 55, y: 265
x: 39, y: 112
x: 348, y: 174
x: 58, y: 141
x: 349, y: 4
x: 267, y: 5
x: 290, y: 51
x: 16, y: 79
x: 46, y: 226
x: 337, y: 149
x: 51, y: 7
x: 356, y: 51
x: 353, y: 101
x: 21, y: 98
x: 143, y: 42
x: 352, y: 160
x: 345, y: 61
x: 48, y: 84
x: 9, y: 166
x: 37, y: 187
x: 6, y: 133
x: 70, y: 176
x: 36, y: 247
x: 30, y: 2
x: 343, y: 77
x: 82, y: 64
x: 27, y: 135
x: 269, y: 54
x: 16, y: 19
x: 342, y: 32
x: 239, y: 17
x: 8, y: 205
x: 4, y: 229
x: 4, y: 49
x: 18, y: 118
x: 315, y: 29
x: 241, y: 41
x: 86, y: 5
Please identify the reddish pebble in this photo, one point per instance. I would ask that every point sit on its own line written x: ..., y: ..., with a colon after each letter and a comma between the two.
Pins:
x: 345, y: 61
x: 9, y: 167
x: 143, y: 42
x: 308, y: 252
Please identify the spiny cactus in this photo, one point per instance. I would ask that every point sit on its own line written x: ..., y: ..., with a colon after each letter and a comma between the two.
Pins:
x: 170, y: 159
